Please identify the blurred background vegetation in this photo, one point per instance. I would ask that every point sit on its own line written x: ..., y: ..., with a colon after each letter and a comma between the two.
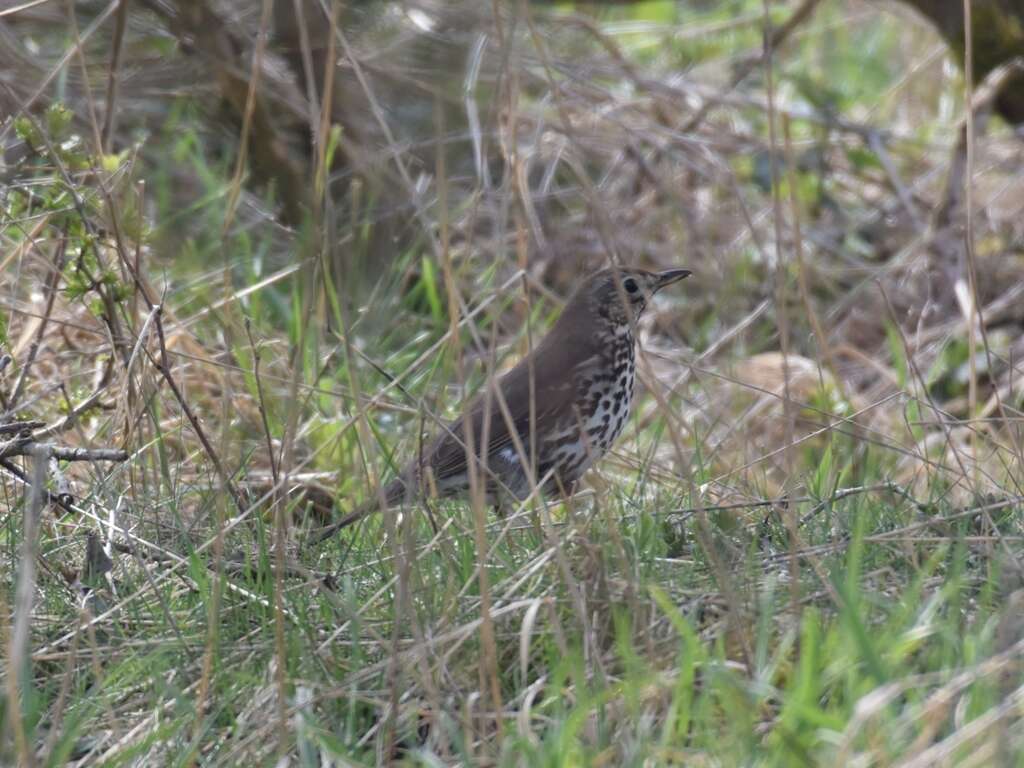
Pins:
x: 259, y: 247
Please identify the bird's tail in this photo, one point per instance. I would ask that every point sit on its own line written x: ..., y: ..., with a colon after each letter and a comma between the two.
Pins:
x: 390, y: 495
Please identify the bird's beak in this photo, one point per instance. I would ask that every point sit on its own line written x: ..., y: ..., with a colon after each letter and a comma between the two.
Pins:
x: 669, y: 276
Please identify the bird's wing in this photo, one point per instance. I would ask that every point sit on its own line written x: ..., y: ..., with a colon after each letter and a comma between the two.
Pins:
x: 554, y: 391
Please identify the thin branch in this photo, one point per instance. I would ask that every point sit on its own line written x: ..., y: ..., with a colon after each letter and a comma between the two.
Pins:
x: 113, y: 74
x: 33, y: 350
x: 25, y: 446
x: 163, y: 365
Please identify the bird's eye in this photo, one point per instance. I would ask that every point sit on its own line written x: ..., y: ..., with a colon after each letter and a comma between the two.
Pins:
x: 630, y: 285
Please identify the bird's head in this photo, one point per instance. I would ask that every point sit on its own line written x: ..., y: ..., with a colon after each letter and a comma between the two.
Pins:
x: 620, y: 294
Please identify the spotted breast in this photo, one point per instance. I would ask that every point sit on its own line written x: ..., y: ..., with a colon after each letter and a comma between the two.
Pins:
x: 603, y: 402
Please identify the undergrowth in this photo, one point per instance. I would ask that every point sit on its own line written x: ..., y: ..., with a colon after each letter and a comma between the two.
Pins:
x: 804, y: 550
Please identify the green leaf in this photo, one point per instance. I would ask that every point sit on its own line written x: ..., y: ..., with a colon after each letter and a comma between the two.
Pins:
x: 333, y: 142
x: 58, y: 120
x: 430, y: 287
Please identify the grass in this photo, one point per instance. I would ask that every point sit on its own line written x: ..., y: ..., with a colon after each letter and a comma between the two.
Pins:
x: 805, y: 549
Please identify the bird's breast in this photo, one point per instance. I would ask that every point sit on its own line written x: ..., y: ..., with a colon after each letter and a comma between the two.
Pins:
x: 603, y: 398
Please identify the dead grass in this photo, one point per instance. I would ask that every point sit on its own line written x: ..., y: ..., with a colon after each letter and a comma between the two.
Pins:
x: 805, y: 549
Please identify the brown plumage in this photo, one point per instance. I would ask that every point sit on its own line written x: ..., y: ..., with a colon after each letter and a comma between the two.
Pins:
x: 583, y: 374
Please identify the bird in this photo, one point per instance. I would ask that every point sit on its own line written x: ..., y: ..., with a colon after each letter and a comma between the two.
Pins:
x: 581, y: 381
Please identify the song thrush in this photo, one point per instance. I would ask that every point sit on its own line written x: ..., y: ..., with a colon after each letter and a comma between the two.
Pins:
x: 580, y: 381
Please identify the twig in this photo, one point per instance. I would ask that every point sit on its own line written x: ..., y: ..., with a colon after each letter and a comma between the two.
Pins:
x: 25, y: 446
x: 19, y: 427
x: 163, y: 365
x: 89, y: 454
x: 112, y: 74
x: 33, y: 350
